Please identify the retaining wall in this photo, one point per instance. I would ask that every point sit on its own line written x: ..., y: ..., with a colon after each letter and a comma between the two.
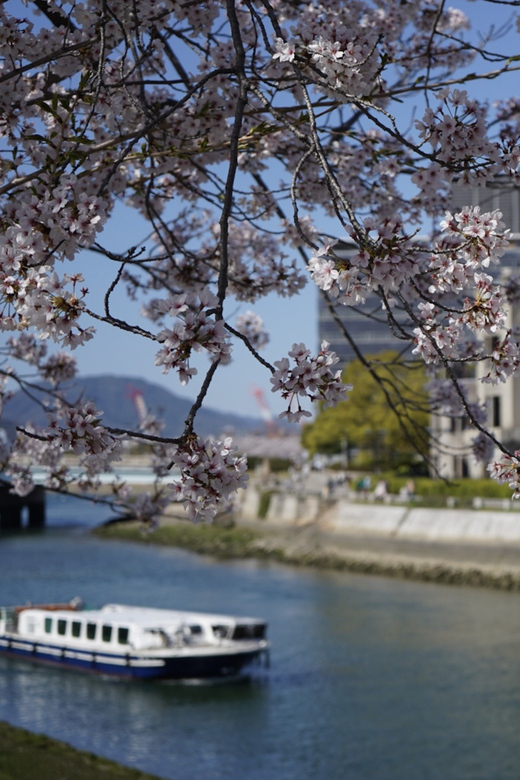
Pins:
x: 386, y: 521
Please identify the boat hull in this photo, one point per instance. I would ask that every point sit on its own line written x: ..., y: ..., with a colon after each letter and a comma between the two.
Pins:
x: 220, y: 664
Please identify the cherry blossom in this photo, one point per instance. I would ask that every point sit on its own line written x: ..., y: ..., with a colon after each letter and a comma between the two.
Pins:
x: 312, y: 378
x: 251, y: 326
x: 284, y: 51
x: 194, y: 330
x: 483, y: 448
x: 210, y: 474
x: 507, y: 470
x: 248, y: 136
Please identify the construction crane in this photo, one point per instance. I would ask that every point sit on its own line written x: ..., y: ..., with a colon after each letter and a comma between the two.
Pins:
x: 137, y: 398
x: 260, y: 398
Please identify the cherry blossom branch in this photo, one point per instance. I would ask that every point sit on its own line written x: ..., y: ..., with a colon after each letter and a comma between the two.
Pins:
x: 207, y: 124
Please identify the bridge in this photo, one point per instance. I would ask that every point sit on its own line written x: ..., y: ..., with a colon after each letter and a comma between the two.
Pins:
x: 17, y: 512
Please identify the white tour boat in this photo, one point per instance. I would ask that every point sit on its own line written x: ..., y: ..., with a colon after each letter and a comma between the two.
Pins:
x: 134, y: 642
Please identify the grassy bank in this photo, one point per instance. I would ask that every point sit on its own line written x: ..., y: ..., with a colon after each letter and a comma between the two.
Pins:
x: 292, y: 546
x: 215, y: 540
x: 203, y: 539
x: 27, y: 756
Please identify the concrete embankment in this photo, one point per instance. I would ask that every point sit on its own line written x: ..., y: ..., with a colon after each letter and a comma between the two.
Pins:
x: 459, y: 546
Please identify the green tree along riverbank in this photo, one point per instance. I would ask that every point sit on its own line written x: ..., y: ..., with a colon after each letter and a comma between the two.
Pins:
x: 307, y: 546
x: 27, y: 756
x: 384, y: 421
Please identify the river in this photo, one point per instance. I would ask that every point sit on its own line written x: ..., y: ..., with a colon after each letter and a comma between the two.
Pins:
x: 370, y: 679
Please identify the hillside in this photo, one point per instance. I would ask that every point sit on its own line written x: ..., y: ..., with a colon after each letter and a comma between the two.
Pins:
x: 115, y: 396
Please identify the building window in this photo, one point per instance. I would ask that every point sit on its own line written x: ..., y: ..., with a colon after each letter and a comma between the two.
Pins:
x: 458, y: 424
x: 496, y: 411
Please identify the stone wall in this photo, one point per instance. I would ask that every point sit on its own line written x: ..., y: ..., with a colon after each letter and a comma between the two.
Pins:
x: 384, y: 521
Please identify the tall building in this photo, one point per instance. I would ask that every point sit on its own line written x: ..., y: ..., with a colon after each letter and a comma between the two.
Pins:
x: 367, y: 325
x: 453, y: 458
x: 369, y: 329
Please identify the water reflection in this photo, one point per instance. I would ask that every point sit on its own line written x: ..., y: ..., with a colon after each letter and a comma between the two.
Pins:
x: 41, y: 696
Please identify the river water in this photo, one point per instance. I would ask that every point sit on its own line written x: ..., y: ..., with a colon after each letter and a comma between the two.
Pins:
x: 370, y: 678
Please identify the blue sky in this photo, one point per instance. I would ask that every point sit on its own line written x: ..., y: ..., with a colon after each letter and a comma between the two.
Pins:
x: 114, y: 351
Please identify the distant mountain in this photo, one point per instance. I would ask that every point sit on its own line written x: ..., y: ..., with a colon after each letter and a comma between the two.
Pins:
x: 117, y: 397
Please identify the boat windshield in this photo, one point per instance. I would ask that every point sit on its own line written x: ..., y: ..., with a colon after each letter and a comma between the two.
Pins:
x: 249, y: 631
x: 221, y: 632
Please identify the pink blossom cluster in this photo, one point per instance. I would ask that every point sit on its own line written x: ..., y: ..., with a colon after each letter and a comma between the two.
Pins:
x: 146, y: 508
x: 77, y: 428
x: 439, y: 337
x: 31, y: 292
x: 344, y: 55
x: 446, y: 400
x: 33, y: 449
x: 458, y: 133
x: 485, y: 311
x: 479, y: 238
x: 251, y: 326
x: 504, y: 358
x: 470, y: 240
x: 258, y: 266
x: 511, y: 287
x: 507, y: 470
x: 386, y: 261
x: 25, y: 346
x: 210, y: 473
x: 348, y: 65
x: 194, y: 330
x: 310, y: 377
x: 59, y: 367
x: 482, y: 447
x: 71, y: 428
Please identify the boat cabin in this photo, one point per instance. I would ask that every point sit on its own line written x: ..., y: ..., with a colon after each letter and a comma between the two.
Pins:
x: 117, y: 626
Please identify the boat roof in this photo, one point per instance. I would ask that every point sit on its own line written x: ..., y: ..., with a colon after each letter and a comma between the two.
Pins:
x: 146, y: 617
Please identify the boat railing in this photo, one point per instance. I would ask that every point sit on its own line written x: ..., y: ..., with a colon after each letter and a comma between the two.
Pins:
x: 72, y: 606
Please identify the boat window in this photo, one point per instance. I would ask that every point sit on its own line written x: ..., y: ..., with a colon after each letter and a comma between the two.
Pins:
x: 76, y: 628
x: 91, y: 630
x: 221, y: 632
x: 122, y: 635
x: 48, y: 625
x: 62, y: 627
x: 255, y: 631
x: 106, y: 633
